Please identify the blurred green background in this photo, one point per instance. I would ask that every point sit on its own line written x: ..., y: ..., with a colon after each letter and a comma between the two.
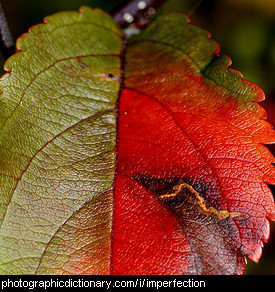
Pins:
x: 245, y: 30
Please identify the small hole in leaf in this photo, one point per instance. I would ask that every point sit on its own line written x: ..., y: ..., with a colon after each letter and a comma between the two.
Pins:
x: 112, y: 76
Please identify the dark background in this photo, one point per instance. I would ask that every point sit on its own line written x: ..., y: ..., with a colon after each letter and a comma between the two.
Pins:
x: 245, y: 30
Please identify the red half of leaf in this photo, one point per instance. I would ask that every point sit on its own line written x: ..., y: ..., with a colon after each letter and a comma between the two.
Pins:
x: 185, y: 117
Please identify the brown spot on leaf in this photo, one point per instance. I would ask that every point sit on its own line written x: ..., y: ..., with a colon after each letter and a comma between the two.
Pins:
x: 184, y: 190
x: 158, y: 186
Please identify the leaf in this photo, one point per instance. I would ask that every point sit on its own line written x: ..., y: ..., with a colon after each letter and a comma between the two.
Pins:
x: 176, y: 183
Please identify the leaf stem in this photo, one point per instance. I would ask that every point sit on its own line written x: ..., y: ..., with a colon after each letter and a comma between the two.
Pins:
x: 7, y: 46
x: 135, y: 11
